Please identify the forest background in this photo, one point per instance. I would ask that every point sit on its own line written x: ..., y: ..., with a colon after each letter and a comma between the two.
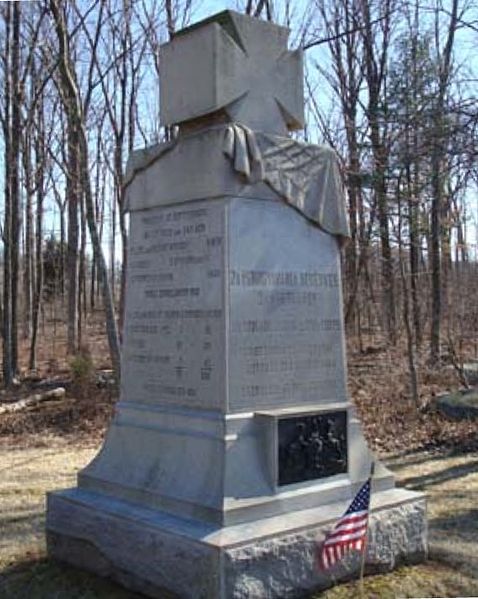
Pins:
x: 391, y: 85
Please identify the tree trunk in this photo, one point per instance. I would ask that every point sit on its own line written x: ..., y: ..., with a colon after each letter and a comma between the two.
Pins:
x: 113, y: 247
x: 76, y: 122
x: 28, y: 254
x: 375, y: 74
x: 62, y: 251
x: 111, y: 327
x: 388, y: 295
x: 15, y: 183
x: 82, y: 273
x: 437, y: 164
x: 435, y: 258
x: 72, y: 192
x: 39, y: 175
x: 411, y: 357
x: 7, y: 226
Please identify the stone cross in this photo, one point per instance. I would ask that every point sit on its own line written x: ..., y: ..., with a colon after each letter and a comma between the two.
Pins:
x: 237, y: 67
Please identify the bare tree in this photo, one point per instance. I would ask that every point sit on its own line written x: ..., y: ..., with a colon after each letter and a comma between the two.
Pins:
x: 11, y: 122
x: 75, y: 116
x: 8, y: 372
x: 444, y: 59
x: 340, y: 22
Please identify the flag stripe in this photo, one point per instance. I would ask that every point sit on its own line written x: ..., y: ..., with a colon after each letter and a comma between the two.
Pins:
x: 348, y: 526
x: 352, y: 517
x: 356, y: 534
x: 350, y: 531
x: 346, y: 522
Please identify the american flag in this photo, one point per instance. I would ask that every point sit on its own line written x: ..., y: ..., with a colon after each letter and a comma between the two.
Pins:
x: 350, y: 532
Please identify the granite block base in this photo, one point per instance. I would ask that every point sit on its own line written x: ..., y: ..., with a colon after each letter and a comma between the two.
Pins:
x: 164, y: 556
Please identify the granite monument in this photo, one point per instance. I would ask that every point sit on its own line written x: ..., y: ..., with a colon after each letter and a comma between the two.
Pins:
x: 234, y: 446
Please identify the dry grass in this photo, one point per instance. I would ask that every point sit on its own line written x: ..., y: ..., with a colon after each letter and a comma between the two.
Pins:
x: 451, y: 484
x: 26, y: 474
x: 452, y: 487
x: 25, y: 477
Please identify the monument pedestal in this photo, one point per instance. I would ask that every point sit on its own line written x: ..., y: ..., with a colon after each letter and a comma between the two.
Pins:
x: 272, y: 558
x: 234, y: 446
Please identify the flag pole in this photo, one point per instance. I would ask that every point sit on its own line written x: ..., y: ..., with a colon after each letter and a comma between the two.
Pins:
x: 365, y: 541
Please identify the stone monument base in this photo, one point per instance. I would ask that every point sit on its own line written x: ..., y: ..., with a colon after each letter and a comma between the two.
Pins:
x: 165, y: 556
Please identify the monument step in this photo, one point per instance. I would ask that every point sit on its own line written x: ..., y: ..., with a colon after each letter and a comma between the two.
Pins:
x: 141, y: 547
x: 235, y: 511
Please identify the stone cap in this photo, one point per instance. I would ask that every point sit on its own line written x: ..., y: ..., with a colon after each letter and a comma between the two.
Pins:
x: 237, y: 64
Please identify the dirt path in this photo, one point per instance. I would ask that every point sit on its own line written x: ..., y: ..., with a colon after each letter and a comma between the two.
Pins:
x: 27, y: 474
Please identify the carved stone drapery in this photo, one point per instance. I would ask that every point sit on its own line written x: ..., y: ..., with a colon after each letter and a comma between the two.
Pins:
x: 306, y: 176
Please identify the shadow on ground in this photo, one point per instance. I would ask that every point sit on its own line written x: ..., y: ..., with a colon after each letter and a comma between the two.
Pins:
x: 435, y: 478
x: 433, y: 451
x: 453, y: 541
x: 464, y: 523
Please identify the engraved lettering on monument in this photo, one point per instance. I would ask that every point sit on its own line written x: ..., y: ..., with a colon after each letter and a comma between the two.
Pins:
x: 173, y: 349
x: 285, y: 331
x: 312, y: 447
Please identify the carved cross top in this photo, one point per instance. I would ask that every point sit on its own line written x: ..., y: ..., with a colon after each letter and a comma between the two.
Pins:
x: 236, y: 64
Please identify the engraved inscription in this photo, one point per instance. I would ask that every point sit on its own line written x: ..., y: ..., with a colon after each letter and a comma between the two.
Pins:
x: 174, y: 349
x: 285, y: 322
x: 253, y: 278
x: 287, y: 352
x: 312, y: 447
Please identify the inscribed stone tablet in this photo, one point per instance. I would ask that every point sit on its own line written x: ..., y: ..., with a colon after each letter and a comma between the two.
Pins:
x: 174, y: 340
x: 286, y: 343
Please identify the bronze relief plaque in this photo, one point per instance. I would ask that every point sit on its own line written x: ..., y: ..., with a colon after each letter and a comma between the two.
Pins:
x: 312, y: 447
